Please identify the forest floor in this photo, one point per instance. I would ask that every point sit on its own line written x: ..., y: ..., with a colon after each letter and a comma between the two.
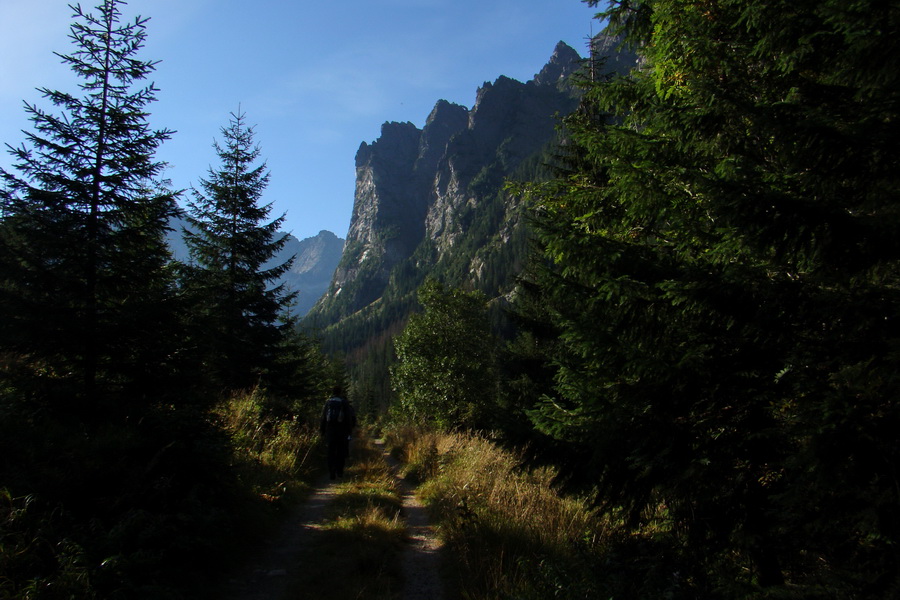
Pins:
x: 297, y: 560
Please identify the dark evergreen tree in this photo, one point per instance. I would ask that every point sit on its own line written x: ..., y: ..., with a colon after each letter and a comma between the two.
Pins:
x: 85, y: 279
x: 725, y: 284
x: 241, y: 317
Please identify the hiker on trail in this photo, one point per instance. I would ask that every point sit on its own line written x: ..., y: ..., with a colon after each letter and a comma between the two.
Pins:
x: 338, y: 421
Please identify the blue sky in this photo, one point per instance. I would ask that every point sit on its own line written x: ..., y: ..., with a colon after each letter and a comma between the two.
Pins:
x: 315, y: 78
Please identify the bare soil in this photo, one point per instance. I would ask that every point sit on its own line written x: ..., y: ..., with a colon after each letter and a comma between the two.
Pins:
x: 268, y: 574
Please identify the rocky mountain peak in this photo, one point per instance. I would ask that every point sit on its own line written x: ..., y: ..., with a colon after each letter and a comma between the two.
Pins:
x: 398, y: 142
x: 317, y: 255
x: 445, y: 121
x: 430, y: 198
x: 564, y: 61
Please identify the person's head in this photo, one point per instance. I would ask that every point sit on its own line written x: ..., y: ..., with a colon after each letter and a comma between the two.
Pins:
x: 337, y: 391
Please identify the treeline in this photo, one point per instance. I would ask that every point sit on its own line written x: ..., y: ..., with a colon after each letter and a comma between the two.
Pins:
x: 707, y: 332
x: 117, y: 457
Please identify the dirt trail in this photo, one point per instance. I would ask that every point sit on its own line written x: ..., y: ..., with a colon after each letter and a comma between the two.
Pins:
x: 269, y: 575
x: 421, y: 560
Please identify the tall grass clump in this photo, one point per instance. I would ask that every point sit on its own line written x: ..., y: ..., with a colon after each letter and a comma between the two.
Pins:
x: 510, y: 534
x: 272, y: 456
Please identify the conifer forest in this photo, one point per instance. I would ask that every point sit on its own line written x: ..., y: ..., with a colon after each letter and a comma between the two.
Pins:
x: 689, y: 314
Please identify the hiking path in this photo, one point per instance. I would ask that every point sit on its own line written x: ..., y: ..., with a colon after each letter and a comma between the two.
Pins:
x: 269, y: 574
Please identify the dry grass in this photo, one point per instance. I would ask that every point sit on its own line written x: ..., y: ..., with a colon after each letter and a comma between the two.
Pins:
x: 511, y: 534
x: 271, y: 457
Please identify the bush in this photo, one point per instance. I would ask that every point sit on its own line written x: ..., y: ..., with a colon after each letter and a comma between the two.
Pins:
x: 143, y: 507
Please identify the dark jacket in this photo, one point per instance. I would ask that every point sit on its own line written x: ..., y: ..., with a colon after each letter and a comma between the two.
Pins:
x: 342, y: 427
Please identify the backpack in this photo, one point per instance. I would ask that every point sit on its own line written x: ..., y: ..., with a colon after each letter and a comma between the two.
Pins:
x: 334, y: 411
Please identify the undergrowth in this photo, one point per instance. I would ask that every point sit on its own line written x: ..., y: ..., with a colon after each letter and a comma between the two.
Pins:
x: 509, y: 533
x: 271, y: 457
x: 512, y: 535
x: 150, y: 507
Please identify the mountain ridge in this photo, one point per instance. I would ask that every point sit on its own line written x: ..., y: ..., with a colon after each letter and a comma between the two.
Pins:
x: 413, y: 184
x: 315, y: 259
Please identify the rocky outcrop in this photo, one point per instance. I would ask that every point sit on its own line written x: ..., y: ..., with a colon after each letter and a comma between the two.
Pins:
x: 561, y: 65
x: 315, y: 260
x: 414, y: 187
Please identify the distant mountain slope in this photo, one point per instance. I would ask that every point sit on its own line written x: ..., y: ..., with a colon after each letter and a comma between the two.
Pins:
x: 315, y: 261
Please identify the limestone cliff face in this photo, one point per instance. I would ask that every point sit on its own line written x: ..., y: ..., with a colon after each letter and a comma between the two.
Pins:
x: 414, y: 186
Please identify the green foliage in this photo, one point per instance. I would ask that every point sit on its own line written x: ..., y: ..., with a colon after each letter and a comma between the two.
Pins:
x: 723, y: 260
x: 119, y: 508
x: 26, y: 533
x: 445, y: 370
x: 236, y: 308
x: 83, y: 257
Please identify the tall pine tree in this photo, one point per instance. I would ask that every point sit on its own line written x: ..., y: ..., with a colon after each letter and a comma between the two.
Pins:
x: 725, y: 285
x: 241, y: 311
x: 85, y: 278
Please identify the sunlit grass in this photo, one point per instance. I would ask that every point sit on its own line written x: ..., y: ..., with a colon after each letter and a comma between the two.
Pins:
x: 510, y: 534
x: 272, y: 457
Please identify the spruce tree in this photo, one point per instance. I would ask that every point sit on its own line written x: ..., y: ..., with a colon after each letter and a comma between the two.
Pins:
x: 231, y: 245
x: 725, y: 256
x: 85, y: 281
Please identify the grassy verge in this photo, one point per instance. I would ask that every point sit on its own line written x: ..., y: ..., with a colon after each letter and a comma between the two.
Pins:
x: 271, y: 458
x: 357, y: 552
x: 509, y: 534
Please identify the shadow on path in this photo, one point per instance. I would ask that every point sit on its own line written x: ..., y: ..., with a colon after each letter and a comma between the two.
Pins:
x: 422, y: 559
x: 268, y: 576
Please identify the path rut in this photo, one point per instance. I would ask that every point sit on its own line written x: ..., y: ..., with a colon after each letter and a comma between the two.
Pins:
x: 421, y: 561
